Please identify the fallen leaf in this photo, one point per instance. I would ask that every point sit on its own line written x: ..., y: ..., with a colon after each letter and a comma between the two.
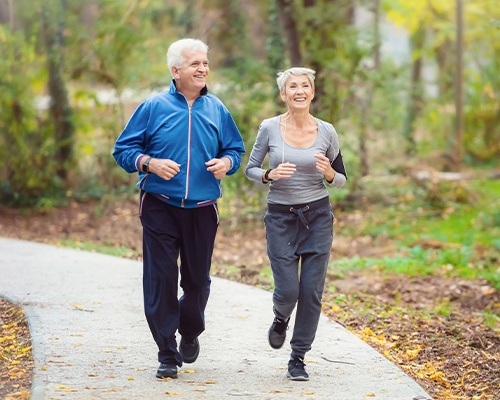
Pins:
x: 65, y: 388
x: 188, y: 371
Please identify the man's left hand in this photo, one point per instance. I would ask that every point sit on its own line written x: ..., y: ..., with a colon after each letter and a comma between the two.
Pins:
x: 218, y: 167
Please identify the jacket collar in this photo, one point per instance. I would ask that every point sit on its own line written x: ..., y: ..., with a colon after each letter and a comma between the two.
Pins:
x: 173, y: 88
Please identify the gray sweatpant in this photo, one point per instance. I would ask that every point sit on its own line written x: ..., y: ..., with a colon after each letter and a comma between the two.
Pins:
x: 299, y: 240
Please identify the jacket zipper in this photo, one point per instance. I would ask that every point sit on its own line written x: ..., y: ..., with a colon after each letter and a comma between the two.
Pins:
x: 190, y: 127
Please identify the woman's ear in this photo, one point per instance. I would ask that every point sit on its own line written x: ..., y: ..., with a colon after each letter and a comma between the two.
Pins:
x: 283, y: 96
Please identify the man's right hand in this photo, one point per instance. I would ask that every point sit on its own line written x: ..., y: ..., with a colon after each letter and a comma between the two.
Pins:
x: 164, y: 168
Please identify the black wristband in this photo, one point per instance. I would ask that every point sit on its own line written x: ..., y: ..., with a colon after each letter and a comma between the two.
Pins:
x: 145, y: 165
x: 266, y: 175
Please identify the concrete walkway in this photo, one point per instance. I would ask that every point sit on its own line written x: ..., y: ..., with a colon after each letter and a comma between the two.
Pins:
x: 91, y: 340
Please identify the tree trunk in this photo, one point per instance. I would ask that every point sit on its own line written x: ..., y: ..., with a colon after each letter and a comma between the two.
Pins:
x: 459, y: 92
x: 60, y: 108
x: 366, y: 102
x: 417, y: 41
x: 7, y: 13
x: 376, y: 34
x: 287, y: 13
x: 256, y: 28
x: 275, y: 50
x: 443, y: 55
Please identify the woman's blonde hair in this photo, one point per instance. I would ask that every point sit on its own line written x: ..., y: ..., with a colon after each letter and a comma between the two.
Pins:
x: 284, y: 75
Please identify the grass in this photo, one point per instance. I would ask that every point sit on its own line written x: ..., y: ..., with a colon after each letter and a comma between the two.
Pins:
x: 89, y: 246
x: 465, y: 235
x: 491, y: 320
x: 419, y: 262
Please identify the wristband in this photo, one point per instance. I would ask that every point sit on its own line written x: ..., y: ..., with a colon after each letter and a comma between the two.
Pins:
x: 145, y: 165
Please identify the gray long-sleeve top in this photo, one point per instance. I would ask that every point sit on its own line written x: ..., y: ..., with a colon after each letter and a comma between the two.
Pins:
x: 306, y: 184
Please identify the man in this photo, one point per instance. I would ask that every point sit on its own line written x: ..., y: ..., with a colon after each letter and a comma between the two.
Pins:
x: 182, y: 142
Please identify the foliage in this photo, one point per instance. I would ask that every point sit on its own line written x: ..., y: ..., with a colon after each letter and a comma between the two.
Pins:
x: 16, y: 358
x: 27, y: 143
x: 114, y: 56
x: 482, y: 108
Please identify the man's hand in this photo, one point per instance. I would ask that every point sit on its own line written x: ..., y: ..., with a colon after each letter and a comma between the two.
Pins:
x: 219, y: 166
x: 164, y: 168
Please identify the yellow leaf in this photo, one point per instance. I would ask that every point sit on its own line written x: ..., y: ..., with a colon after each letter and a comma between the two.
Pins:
x: 439, y: 377
x: 487, y: 290
x: 368, y: 331
x: 189, y: 371
x: 65, y: 388
x: 412, y: 354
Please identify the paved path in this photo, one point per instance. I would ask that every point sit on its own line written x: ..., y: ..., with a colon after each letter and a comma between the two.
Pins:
x: 91, y: 340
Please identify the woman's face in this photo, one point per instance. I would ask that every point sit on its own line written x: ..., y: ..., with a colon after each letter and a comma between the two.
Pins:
x: 298, y: 92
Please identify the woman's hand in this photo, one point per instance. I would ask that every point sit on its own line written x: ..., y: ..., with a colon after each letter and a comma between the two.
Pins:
x: 285, y: 170
x: 323, y: 167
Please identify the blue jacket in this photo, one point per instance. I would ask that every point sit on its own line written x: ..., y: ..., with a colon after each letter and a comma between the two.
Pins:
x: 164, y: 126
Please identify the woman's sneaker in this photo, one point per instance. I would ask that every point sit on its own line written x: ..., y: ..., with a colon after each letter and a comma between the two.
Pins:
x: 277, y: 332
x: 296, y: 370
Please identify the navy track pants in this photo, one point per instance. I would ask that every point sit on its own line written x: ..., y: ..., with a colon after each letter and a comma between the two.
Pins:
x: 169, y: 233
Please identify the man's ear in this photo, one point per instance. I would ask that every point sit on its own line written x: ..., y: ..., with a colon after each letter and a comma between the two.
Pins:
x: 175, y: 72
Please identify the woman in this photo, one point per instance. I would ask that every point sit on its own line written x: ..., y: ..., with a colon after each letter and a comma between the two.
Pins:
x: 303, y: 151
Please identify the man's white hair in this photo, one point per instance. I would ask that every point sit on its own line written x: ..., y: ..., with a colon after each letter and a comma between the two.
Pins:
x: 176, y: 51
x: 284, y: 75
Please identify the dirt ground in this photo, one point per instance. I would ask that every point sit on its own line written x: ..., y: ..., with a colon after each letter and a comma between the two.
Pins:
x: 433, y: 327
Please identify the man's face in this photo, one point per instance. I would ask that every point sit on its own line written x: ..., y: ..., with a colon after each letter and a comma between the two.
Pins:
x: 193, y: 73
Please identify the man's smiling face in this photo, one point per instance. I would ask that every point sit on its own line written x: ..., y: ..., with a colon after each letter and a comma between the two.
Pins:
x: 193, y: 74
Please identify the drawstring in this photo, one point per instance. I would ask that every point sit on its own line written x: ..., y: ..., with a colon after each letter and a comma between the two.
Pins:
x: 300, y: 213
